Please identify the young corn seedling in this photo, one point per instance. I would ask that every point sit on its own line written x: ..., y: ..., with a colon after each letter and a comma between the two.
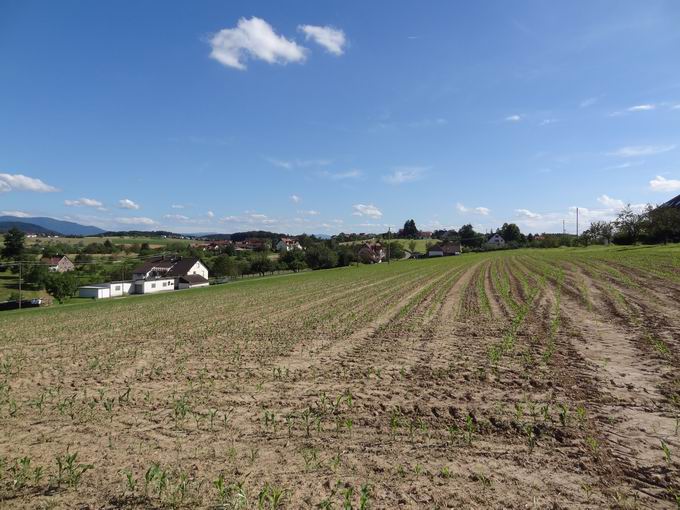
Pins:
x: 364, y: 497
x: 130, y: 481
x: 666, y: 452
x: 70, y: 470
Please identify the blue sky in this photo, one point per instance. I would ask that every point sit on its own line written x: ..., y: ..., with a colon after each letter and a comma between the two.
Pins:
x: 331, y: 116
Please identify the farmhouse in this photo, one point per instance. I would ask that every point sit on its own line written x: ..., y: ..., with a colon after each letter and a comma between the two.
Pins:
x: 158, y: 274
x: 496, y: 240
x: 443, y: 249
x: 371, y: 253
x: 60, y: 264
x: 287, y: 244
x: 172, y: 268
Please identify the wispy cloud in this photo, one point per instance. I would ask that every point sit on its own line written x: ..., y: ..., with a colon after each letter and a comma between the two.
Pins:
x: 484, y: 211
x: 295, y: 199
x: 176, y: 217
x: 136, y: 220
x: 526, y: 213
x: 83, y: 202
x: 642, y: 108
x: 661, y: 184
x: 126, y: 203
x: 332, y: 39
x: 298, y: 163
x: 341, y: 176
x: 254, y: 38
x: 403, y: 174
x: 608, y: 201
x: 636, y: 151
x: 177, y: 206
x: 18, y: 214
x: 588, y: 102
x: 367, y: 210
x: 310, y: 212
x: 20, y: 182
x: 514, y: 118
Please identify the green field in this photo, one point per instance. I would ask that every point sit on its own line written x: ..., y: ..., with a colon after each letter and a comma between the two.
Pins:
x: 511, y: 379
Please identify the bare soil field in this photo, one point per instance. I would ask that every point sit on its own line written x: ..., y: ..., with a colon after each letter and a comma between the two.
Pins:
x: 518, y: 379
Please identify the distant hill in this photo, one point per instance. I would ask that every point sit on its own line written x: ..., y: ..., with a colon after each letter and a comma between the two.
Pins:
x: 26, y: 228
x: 66, y: 228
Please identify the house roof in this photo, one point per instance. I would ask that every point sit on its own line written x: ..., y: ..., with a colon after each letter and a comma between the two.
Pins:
x: 182, y: 266
x: 53, y: 261
x: 193, y: 279
x: 171, y: 266
x: 673, y: 202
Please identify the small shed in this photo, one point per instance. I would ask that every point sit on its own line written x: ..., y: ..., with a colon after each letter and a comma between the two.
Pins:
x: 191, y: 281
x: 100, y: 291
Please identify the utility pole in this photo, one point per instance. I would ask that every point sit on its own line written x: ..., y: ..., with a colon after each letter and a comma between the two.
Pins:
x: 577, y: 222
x: 564, y: 228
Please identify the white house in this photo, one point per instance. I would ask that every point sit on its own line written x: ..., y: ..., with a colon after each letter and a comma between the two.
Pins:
x: 106, y: 290
x: 173, y: 267
x: 496, y: 240
x: 153, y: 285
x: 287, y: 244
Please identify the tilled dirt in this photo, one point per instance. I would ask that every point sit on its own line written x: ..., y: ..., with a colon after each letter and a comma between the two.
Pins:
x: 484, y: 381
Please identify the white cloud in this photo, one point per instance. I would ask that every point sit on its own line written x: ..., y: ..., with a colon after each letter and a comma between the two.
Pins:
x: 546, y: 122
x: 660, y: 183
x: 404, y: 174
x: 588, y: 102
x: 83, y: 202
x: 310, y: 212
x: 513, y: 118
x: 642, y: 108
x: 138, y: 220
x: 635, y: 151
x: 367, y: 210
x: 254, y: 38
x: 676, y: 107
x: 330, y: 38
x: 295, y: 199
x: 484, y: 211
x: 210, y: 214
x: 126, y: 203
x: 341, y: 176
x: 18, y: 214
x: 527, y: 214
x: 177, y: 206
x: 176, y: 217
x: 24, y: 183
x: 608, y: 201
x: 298, y: 163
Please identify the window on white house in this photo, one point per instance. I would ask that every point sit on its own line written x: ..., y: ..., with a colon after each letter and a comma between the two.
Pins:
x: 153, y: 285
